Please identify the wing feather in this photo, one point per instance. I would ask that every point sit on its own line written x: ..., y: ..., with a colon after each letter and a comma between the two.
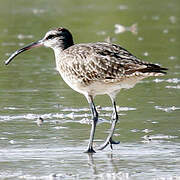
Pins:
x: 106, y: 61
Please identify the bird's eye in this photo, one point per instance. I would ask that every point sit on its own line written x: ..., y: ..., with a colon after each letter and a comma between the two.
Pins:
x: 51, y: 36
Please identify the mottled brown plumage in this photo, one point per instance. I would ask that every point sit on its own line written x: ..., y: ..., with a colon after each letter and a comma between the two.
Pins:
x: 104, y: 62
x: 94, y: 69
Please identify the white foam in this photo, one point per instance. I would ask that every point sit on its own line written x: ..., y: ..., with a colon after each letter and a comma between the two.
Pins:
x: 167, y: 109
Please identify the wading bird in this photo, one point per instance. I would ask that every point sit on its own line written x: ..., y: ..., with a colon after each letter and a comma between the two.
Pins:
x: 94, y: 69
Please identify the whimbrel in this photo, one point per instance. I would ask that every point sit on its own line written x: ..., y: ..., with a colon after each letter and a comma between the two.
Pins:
x: 95, y: 69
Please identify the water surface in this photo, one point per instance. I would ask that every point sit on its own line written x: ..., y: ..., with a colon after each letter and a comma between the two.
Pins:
x: 31, y: 88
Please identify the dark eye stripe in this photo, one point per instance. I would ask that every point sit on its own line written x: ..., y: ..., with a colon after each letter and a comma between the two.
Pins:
x: 51, y: 36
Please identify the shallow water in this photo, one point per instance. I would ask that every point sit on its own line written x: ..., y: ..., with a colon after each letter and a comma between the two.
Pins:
x: 30, y: 88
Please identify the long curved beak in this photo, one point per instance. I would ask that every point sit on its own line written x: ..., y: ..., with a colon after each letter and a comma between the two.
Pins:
x: 30, y: 46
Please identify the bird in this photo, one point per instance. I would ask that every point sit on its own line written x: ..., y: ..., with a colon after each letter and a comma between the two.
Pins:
x: 95, y: 69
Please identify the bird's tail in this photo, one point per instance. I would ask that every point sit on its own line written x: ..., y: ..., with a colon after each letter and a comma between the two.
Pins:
x: 153, y: 68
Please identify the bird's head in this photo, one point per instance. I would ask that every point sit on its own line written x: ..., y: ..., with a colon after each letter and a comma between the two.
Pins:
x: 57, y: 38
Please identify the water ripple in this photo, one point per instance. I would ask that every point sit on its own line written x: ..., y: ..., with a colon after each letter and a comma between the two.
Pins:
x: 167, y: 109
x: 70, y: 113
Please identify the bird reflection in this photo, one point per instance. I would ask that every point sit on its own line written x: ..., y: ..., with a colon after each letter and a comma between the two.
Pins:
x: 112, y: 171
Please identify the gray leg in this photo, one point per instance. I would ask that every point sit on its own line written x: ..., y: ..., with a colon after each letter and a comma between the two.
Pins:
x: 114, y: 121
x: 94, y: 122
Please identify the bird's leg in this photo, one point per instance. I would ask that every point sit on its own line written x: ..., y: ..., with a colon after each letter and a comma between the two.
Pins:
x: 114, y: 121
x: 94, y: 122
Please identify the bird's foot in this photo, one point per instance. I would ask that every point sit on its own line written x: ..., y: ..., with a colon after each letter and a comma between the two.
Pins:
x: 108, y: 141
x: 90, y: 150
x: 111, y: 142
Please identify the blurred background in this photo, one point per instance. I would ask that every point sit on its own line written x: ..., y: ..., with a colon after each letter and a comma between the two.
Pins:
x: 31, y: 88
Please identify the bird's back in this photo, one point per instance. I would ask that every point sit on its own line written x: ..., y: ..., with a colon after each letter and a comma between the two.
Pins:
x: 104, y: 62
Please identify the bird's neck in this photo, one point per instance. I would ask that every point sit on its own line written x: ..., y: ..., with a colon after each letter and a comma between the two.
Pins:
x: 59, y: 56
x: 59, y: 50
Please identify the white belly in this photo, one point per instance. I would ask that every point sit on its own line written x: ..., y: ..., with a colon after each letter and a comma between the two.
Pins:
x: 101, y: 87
